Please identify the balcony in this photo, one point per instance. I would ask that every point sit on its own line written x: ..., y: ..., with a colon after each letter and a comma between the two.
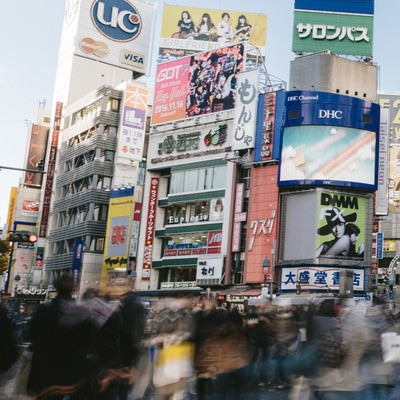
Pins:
x: 96, y: 196
x: 97, y: 141
x: 59, y: 261
x: 95, y: 167
x: 88, y: 228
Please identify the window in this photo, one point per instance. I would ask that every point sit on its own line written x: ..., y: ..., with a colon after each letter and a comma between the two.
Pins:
x: 200, y: 179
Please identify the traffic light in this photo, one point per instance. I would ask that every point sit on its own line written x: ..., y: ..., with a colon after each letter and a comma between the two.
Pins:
x: 40, y: 165
x: 22, y: 237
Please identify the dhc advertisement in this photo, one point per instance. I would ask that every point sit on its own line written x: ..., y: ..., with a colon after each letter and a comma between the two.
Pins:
x: 329, y: 140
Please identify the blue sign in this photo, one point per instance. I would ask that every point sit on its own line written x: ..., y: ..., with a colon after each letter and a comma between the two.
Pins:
x: 379, y: 245
x: 329, y: 139
x: 118, y: 20
x: 306, y: 107
x: 342, y: 6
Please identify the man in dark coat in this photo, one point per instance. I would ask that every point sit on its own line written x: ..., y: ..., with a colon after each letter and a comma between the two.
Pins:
x: 8, y: 341
x: 60, y: 334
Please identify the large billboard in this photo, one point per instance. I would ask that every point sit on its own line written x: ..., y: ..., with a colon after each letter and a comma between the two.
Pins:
x: 188, y: 30
x: 341, y: 226
x: 335, y: 226
x: 340, y: 32
x: 329, y: 139
x: 117, y: 234
x: 116, y: 32
x: 196, y: 85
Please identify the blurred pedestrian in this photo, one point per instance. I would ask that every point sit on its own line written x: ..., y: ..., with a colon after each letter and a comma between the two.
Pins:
x: 222, y: 356
x: 104, y: 352
x: 285, y: 335
x: 8, y: 341
x: 172, y: 346
x: 60, y: 336
x: 378, y: 378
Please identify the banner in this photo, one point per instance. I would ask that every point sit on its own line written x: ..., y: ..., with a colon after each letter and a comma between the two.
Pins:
x: 189, y: 30
x: 197, y: 85
x: 341, y: 226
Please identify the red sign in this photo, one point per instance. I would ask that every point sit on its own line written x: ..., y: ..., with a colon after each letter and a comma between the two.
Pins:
x: 50, y: 171
x: 150, y: 228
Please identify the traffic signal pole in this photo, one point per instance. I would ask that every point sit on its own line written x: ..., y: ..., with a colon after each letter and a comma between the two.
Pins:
x: 10, y: 258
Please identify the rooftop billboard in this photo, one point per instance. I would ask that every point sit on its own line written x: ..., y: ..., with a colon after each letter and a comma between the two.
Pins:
x: 341, y: 33
x: 188, y: 30
x: 343, y: 6
x: 116, y: 32
x: 196, y: 85
x: 330, y: 140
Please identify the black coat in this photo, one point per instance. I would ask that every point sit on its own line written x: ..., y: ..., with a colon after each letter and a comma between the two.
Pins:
x: 8, y: 342
x: 60, y: 333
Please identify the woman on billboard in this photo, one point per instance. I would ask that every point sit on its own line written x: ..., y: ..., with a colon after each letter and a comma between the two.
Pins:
x: 336, y: 225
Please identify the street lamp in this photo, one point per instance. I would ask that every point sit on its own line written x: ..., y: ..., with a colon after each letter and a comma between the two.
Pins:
x: 265, y: 266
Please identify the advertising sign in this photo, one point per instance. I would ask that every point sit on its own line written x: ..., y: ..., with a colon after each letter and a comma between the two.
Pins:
x: 341, y: 33
x: 262, y: 222
x: 116, y: 32
x: 117, y: 233
x: 392, y: 104
x: 22, y: 263
x: 209, y: 271
x: 51, y: 166
x: 36, y: 154
x: 335, y: 226
x: 197, y: 85
x: 246, y: 110
x: 381, y: 196
x: 150, y: 229
x: 329, y: 139
x: 318, y: 278
x: 190, y: 143
x: 328, y: 155
x: 77, y: 261
x: 133, y: 124
x: 343, y: 6
x: 188, y: 30
x: 341, y: 226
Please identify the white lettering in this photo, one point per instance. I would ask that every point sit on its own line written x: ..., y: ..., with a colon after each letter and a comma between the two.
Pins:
x: 335, y: 114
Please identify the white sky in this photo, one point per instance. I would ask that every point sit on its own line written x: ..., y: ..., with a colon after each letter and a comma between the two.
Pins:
x: 30, y: 34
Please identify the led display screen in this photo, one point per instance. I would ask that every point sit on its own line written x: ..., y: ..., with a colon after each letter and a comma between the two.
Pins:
x: 328, y: 155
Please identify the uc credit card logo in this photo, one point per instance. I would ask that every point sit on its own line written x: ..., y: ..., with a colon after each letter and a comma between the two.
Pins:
x: 118, y: 20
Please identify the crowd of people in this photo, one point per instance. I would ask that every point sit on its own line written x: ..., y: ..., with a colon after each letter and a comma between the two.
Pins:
x: 222, y: 32
x: 110, y: 347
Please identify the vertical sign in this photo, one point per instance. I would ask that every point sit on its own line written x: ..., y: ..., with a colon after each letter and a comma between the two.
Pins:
x: 36, y: 154
x: 238, y: 218
x: 379, y: 245
x: 381, y: 196
x: 133, y: 124
x: 50, y: 171
x: 246, y: 110
x: 150, y: 228
x: 77, y: 262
